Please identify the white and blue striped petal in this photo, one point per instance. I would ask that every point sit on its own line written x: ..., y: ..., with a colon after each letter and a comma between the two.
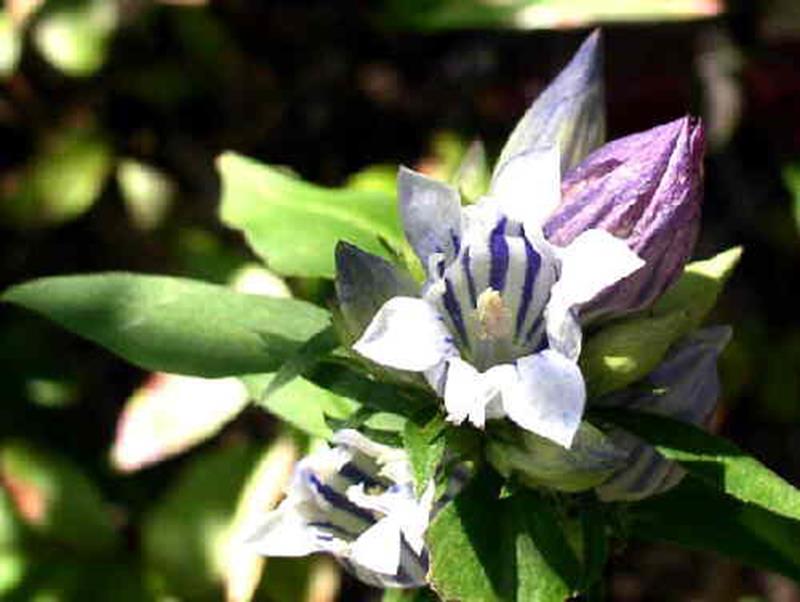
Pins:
x: 407, y: 334
x: 356, y: 501
x: 569, y: 113
x: 431, y: 215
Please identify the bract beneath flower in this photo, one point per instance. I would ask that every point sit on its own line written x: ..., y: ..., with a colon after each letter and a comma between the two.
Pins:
x: 355, y: 501
x: 495, y: 328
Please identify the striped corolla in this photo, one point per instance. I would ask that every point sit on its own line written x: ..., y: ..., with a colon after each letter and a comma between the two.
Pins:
x: 495, y: 329
x: 354, y: 500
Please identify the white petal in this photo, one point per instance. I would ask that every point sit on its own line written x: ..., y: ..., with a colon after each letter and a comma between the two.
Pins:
x: 592, y: 262
x: 548, y: 398
x: 528, y: 187
x: 414, y: 520
x: 378, y: 548
x: 459, y: 390
x: 284, y: 532
x: 472, y: 394
x: 407, y: 334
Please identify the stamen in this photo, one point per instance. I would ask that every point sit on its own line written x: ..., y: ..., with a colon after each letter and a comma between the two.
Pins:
x: 493, y: 315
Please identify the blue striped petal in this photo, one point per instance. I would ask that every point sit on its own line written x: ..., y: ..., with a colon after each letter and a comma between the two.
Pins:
x: 570, y: 112
x: 431, y: 214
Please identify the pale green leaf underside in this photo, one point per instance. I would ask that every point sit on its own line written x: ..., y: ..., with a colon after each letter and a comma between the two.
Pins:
x: 294, y: 226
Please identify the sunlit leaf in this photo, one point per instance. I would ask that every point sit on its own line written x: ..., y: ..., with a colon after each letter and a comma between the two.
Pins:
x: 375, y: 178
x: 56, y: 500
x: 300, y: 403
x: 170, y: 413
x: 697, y: 290
x: 623, y: 353
x: 174, y: 324
x: 294, y: 225
x: 424, y: 441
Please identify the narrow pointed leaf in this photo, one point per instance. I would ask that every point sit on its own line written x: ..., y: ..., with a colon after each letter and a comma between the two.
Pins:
x: 424, y: 441
x: 173, y: 324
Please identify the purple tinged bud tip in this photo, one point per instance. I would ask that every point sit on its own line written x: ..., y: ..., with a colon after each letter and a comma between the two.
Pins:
x: 646, y: 189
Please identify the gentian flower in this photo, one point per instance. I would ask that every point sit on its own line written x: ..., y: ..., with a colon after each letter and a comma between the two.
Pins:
x: 354, y: 500
x: 495, y: 329
x: 685, y: 387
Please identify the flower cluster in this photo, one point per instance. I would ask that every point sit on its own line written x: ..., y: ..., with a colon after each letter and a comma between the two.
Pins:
x: 496, y: 328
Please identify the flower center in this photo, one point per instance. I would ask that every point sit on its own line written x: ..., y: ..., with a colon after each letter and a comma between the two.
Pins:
x: 493, y: 316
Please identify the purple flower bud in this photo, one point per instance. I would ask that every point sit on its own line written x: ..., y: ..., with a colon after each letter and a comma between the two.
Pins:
x: 646, y: 189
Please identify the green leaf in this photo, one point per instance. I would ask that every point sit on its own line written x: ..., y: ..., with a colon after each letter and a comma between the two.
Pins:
x: 715, y: 461
x: 300, y: 403
x: 187, y: 537
x: 294, y: 225
x: 56, y: 500
x: 423, y: 439
x: 625, y: 351
x: 485, y: 549
x: 174, y: 324
x: 697, y: 516
x: 696, y: 292
x: 380, y: 396
x: 306, y: 357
